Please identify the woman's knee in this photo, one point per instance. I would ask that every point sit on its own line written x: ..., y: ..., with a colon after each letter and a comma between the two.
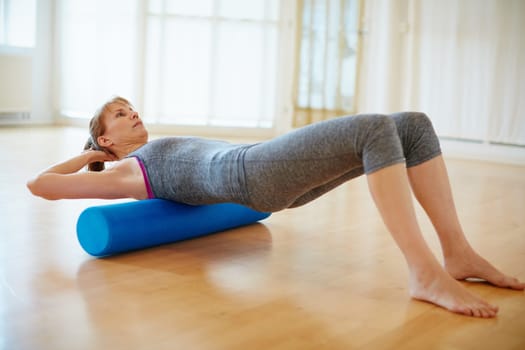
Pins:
x: 418, y: 137
x: 378, y: 121
x: 376, y: 125
x: 413, y: 122
x: 380, y: 144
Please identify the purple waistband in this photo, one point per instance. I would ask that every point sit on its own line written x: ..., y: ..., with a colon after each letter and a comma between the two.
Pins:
x: 146, y: 179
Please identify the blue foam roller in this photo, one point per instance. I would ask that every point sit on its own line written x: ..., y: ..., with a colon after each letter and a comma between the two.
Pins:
x: 117, y: 228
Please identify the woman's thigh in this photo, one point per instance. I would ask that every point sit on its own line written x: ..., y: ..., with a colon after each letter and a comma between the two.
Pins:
x: 300, y: 166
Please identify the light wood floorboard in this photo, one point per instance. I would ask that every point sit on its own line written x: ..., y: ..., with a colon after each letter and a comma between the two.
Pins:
x: 323, y: 276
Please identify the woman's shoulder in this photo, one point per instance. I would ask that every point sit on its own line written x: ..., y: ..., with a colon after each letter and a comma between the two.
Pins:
x: 174, y: 142
x: 180, y: 147
x: 155, y: 145
x: 170, y: 140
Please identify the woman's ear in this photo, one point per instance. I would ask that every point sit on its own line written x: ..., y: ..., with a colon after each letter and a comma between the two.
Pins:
x: 103, y: 141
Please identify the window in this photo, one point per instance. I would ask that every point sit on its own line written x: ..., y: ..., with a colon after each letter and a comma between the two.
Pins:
x: 327, y: 59
x: 212, y: 62
x: 199, y: 62
x: 17, y: 23
x: 99, y: 56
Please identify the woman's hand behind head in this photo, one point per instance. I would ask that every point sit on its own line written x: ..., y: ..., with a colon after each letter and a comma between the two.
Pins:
x: 96, y: 159
x: 100, y: 156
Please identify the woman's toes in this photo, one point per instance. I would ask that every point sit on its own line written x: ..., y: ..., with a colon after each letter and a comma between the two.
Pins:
x: 495, y: 309
x: 476, y: 312
x: 493, y: 312
x: 508, y: 282
x: 516, y: 284
x: 480, y: 309
x: 464, y: 310
x: 487, y: 313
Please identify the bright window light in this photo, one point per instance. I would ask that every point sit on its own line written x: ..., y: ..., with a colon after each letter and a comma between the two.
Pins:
x: 17, y: 23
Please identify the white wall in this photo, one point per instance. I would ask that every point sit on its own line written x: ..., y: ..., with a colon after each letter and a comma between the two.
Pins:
x: 26, y: 75
x: 15, y: 84
x: 43, y: 86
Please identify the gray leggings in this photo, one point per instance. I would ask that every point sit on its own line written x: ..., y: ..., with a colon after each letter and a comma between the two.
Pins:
x: 298, y: 167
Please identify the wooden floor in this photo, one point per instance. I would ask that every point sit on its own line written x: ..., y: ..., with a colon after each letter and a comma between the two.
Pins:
x: 324, y: 276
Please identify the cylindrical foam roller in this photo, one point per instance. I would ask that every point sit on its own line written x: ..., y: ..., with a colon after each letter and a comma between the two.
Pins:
x: 117, y: 228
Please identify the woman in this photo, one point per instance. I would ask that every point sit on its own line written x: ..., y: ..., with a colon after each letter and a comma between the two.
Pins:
x: 397, y: 153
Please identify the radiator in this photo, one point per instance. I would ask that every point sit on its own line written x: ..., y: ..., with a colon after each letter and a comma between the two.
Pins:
x: 14, y: 117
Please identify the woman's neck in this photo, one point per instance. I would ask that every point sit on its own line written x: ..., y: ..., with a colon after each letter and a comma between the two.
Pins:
x: 122, y: 151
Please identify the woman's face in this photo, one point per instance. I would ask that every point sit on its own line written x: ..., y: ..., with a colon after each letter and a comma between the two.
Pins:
x: 122, y: 125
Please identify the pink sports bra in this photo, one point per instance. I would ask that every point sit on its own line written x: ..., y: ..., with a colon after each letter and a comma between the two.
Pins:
x: 146, y: 179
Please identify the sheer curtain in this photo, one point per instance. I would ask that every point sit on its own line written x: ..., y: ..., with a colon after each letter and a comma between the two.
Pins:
x: 327, y: 59
x: 199, y: 62
x: 470, y: 68
x: 462, y: 62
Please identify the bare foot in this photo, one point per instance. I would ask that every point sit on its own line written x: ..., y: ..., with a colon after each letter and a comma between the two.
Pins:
x: 469, y: 264
x: 437, y: 287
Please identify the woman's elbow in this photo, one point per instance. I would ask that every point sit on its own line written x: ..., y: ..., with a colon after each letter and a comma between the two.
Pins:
x: 36, y: 187
x: 32, y: 186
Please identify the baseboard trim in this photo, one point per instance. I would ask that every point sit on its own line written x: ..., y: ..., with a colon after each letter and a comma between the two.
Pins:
x: 492, y: 152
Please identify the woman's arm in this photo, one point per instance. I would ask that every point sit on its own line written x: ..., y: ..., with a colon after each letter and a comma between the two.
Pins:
x: 78, y: 162
x: 63, y: 181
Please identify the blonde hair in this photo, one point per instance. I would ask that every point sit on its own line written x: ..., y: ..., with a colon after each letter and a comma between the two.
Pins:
x: 97, y: 128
